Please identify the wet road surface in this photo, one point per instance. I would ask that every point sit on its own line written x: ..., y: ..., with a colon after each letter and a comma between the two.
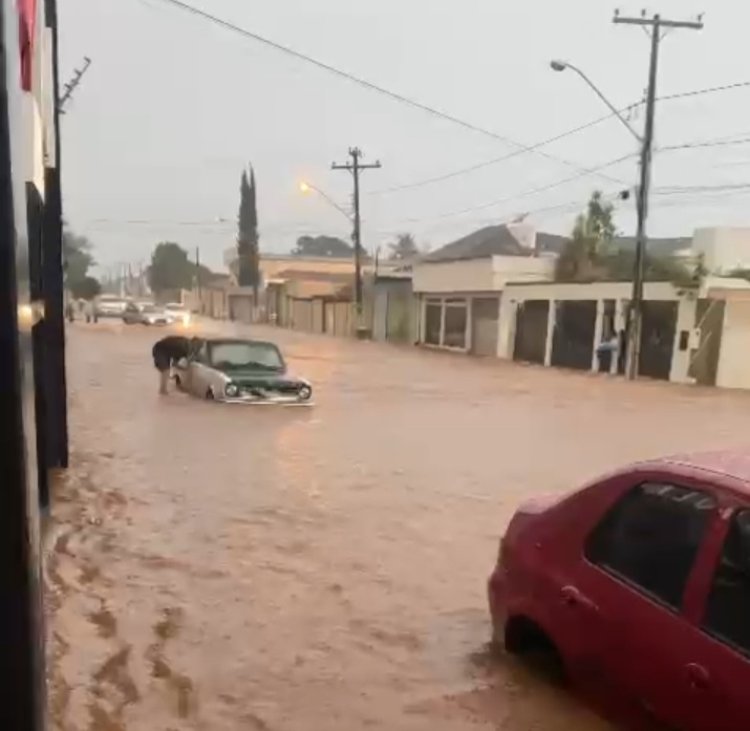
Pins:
x: 215, y: 567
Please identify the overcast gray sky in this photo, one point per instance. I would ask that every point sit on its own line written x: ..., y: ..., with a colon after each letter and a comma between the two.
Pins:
x: 156, y: 136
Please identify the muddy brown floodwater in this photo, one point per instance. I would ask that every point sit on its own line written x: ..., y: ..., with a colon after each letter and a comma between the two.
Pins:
x: 220, y: 568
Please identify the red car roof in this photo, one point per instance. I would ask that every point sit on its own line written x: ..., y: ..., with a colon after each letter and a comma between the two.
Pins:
x: 733, y: 463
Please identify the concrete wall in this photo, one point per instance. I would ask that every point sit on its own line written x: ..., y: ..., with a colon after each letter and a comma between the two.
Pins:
x: 271, y: 266
x: 723, y: 248
x: 480, y: 275
x: 620, y: 292
x: 393, y: 311
x: 472, y: 275
x: 734, y: 357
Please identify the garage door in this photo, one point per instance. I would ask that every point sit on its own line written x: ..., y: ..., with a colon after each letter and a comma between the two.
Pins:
x: 485, y: 314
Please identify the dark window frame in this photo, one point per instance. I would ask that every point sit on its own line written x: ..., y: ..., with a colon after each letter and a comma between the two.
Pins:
x: 715, y: 635
x: 610, y: 514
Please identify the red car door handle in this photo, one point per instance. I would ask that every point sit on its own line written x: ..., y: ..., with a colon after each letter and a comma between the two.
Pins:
x: 698, y: 676
x: 573, y: 597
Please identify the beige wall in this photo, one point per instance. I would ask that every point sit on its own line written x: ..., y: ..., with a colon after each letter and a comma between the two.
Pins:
x: 472, y: 275
x: 271, y: 265
x: 734, y: 357
x: 480, y: 275
x: 723, y: 248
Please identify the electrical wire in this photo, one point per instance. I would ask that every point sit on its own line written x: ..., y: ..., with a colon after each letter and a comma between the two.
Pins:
x: 492, y: 161
x: 700, y: 92
x: 707, y: 143
x: 549, y: 141
x: 557, y: 183
x: 244, y: 32
x: 523, y: 194
x: 689, y: 189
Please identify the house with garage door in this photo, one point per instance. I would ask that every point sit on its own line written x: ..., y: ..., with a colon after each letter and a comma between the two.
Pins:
x: 459, y: 287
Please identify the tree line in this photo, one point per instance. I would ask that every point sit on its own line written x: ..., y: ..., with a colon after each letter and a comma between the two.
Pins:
x: 591, y: 254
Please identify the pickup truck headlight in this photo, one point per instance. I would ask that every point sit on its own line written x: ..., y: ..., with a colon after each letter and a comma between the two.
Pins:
x: 304, y: 393
x: 232, y: 390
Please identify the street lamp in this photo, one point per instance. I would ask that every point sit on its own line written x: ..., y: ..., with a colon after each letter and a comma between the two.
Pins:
x: 645, y: 142
x: 305, y: 188
x: 558, y: 65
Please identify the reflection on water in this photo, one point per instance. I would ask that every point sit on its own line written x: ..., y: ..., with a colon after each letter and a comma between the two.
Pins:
x: 215, y: 568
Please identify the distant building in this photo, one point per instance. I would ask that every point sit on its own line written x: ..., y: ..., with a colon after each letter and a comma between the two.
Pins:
x: 272, y: 264
x: 724, y: 249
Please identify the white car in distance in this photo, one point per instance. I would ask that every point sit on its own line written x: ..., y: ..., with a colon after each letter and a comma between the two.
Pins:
x: 178, y: 313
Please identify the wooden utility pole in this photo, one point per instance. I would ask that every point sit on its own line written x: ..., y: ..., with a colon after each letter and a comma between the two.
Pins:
x: 657, y: 25
x: 198, y: 274
x: 355, y: 167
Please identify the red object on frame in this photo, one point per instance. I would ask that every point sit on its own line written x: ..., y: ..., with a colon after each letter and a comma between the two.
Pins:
x: 26, y: 35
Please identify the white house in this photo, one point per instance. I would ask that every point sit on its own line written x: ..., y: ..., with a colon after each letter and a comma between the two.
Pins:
x: 459, y: 287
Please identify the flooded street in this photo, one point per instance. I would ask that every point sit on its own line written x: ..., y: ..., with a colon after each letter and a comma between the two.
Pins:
x: 222, y: 568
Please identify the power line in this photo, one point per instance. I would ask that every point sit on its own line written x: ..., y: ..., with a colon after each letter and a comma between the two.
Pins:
x: 487, y: 163
x: 687, y: 189
x: 700, y: 92
x: 550, y: 140
x: 227, y: 25
x: 707, y: 143
x: 525, y: 193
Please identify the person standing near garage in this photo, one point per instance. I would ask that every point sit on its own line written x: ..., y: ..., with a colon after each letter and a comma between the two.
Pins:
x: 167, y: 352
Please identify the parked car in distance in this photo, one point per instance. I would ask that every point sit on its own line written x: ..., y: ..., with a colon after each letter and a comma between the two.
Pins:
x: 241, y: 371
x: 639, y: 585
x: 178, y: 313
x: 144, y: 314
x: 109, y: 305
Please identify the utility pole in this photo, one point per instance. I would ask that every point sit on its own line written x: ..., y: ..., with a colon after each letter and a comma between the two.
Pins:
x: 657, y: 24
x: 198, y: 275
x: 71, y: 86
x: 355, y: 167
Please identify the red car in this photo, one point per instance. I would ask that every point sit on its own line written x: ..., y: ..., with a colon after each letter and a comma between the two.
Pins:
x: 639, y: 586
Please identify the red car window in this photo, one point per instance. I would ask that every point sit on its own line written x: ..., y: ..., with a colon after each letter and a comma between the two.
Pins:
x: 651, y: 537
x: 727, y: 613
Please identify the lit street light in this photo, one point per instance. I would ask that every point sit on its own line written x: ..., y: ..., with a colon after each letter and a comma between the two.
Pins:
x: 306, y: 188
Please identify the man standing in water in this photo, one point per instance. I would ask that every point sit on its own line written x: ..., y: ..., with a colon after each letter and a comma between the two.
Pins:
x: 167, y: 352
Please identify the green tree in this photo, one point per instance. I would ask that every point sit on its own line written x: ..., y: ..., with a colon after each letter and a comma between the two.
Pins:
x: 170, y: 268
x: 620, y: 265
x: 247, y: 234
x: 328, y: 246
x: 589, y: 243
x: 740, y: 273
x: 405, y: 247
x: 77, y: 258
x: 589, y: 254
x: 86, y: 288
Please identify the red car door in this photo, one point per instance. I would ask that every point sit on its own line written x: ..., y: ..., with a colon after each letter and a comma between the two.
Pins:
x: 639, y: 569
x: 716, y: 680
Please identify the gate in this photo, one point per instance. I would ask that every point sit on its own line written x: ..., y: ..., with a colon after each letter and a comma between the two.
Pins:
x: 573, y: 338
x: 658, y: 324
x: 531, y: 331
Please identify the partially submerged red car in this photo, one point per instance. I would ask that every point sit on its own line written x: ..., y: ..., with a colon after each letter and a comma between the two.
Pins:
x: 639, y: 586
